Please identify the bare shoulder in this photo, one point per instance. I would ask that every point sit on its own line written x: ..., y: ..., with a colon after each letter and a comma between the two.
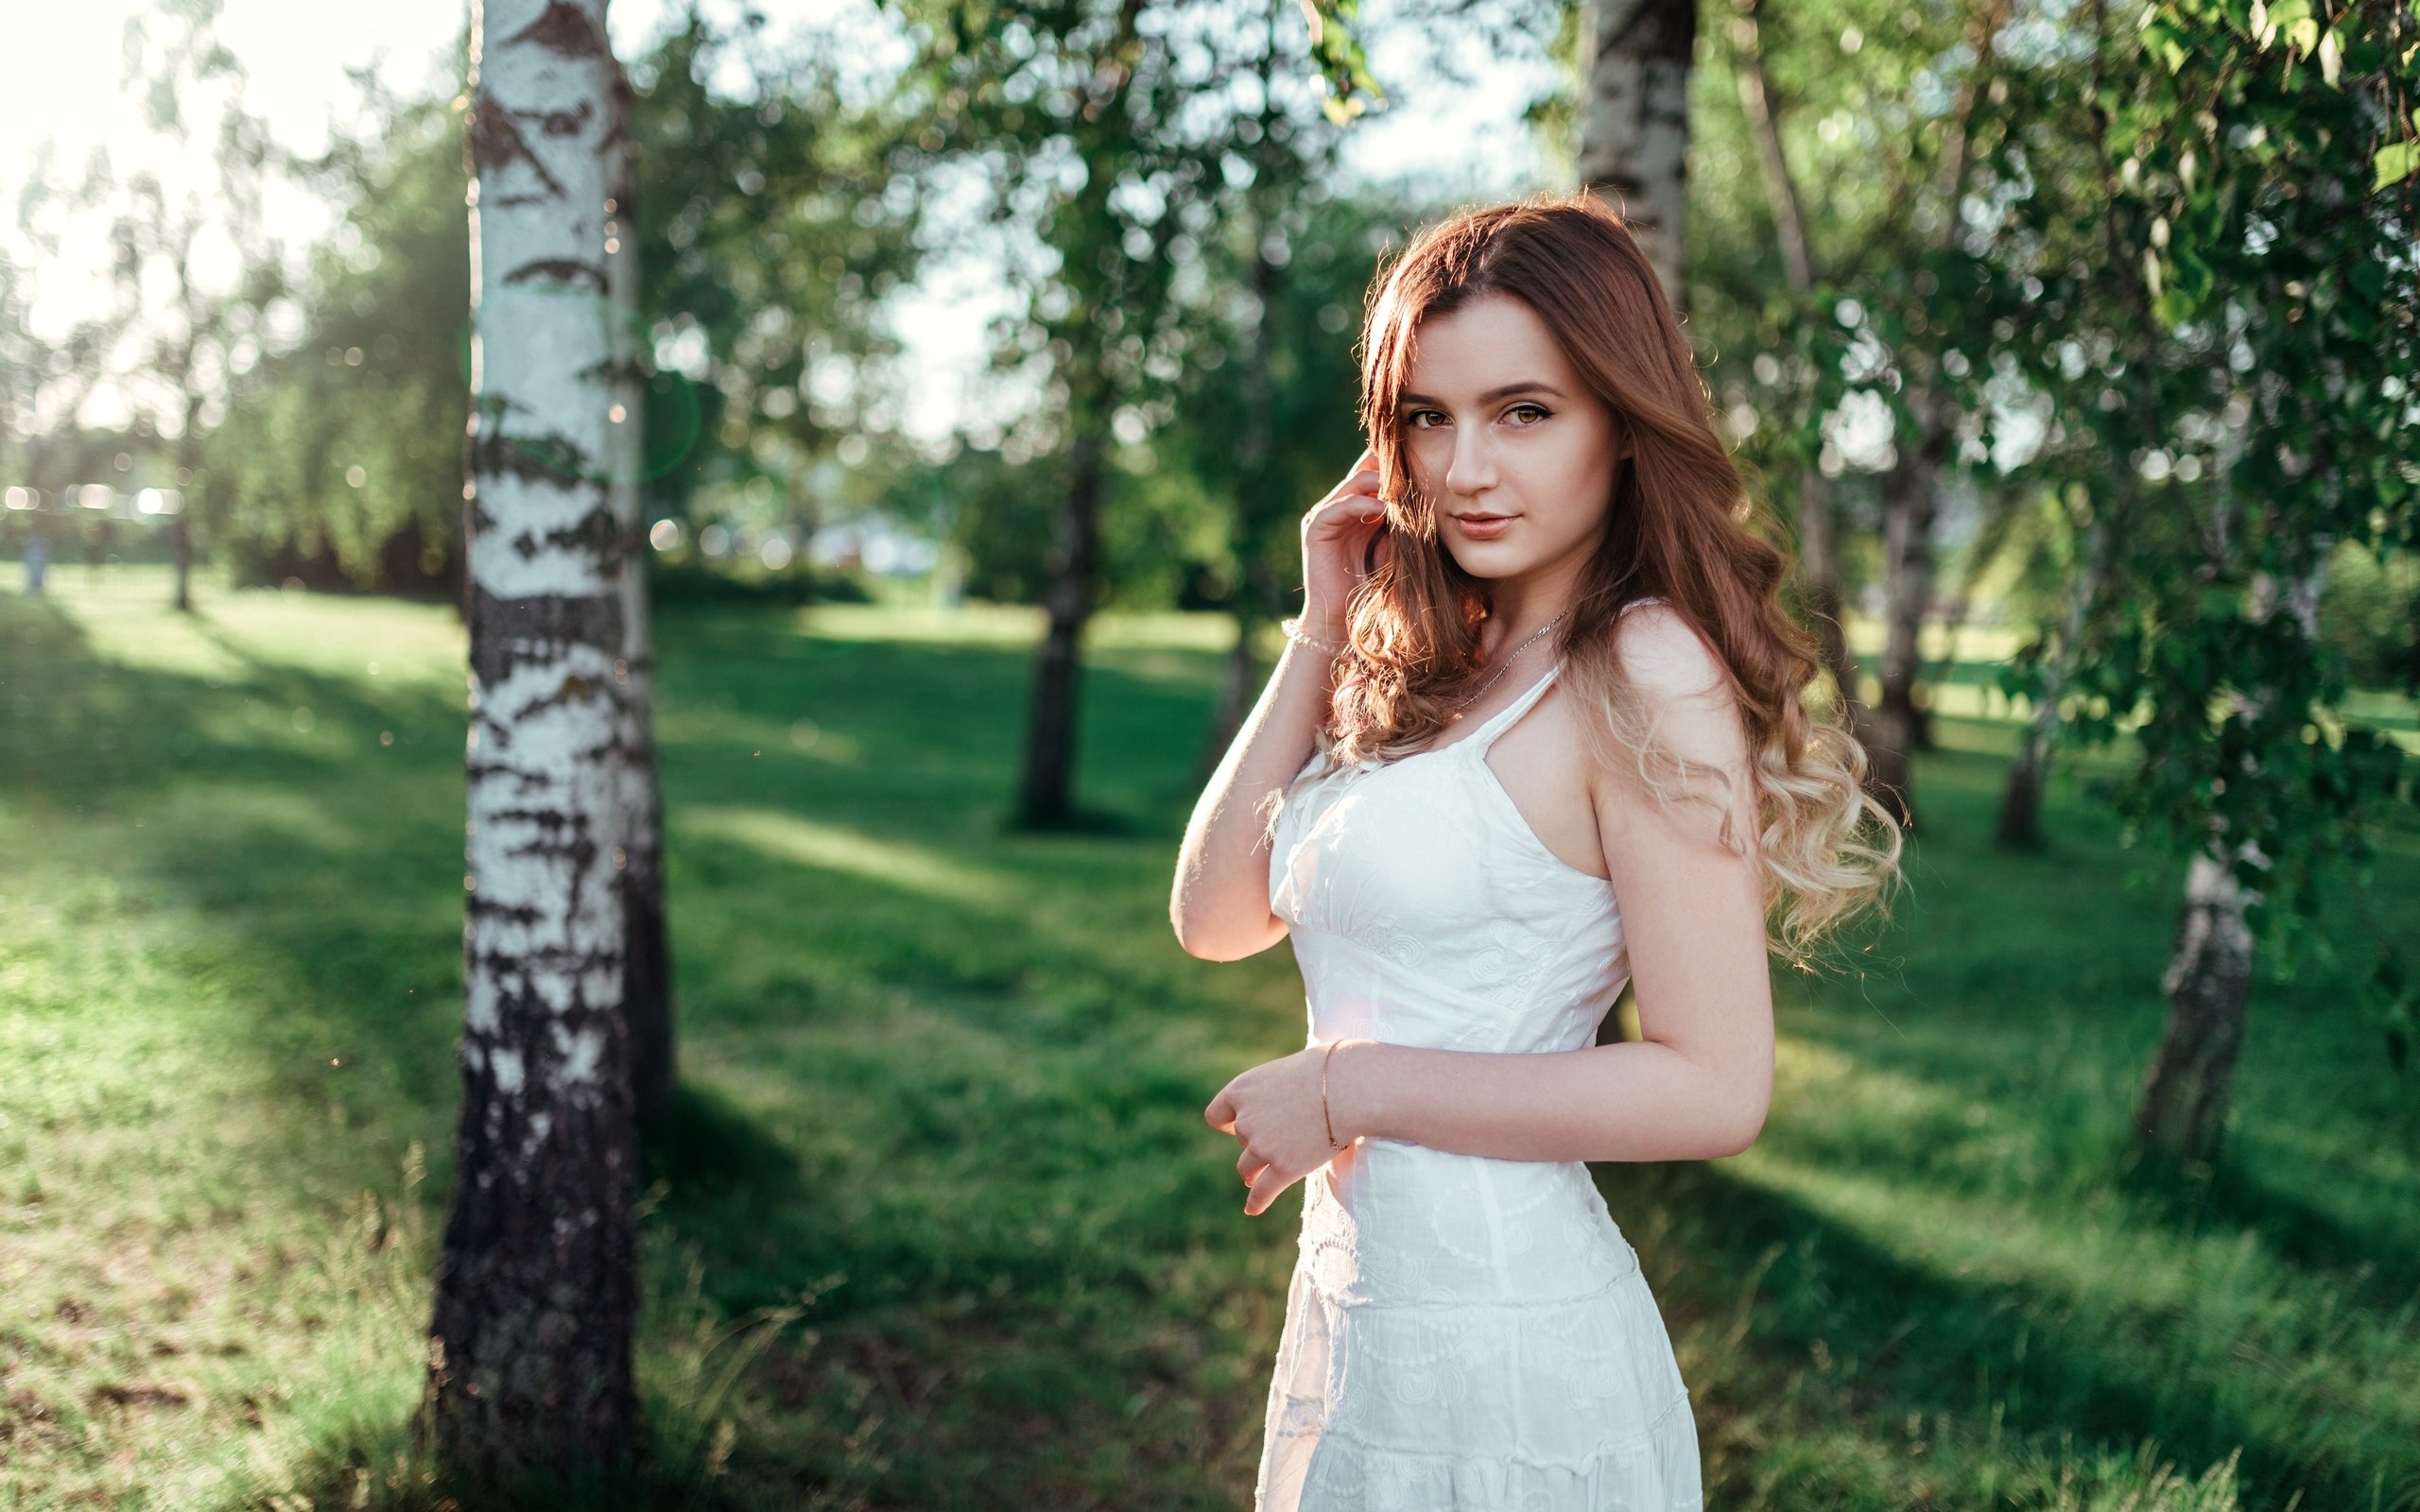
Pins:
x: 1666, y: 659
x: 1683, y: 689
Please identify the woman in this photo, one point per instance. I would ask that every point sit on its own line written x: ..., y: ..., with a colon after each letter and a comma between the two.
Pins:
x: 1540, y: 730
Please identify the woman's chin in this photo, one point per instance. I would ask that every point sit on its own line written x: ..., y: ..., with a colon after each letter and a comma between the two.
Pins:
x: 1491, y: 559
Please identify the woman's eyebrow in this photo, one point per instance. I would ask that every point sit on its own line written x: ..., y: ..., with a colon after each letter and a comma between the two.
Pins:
x: 1502, y: 391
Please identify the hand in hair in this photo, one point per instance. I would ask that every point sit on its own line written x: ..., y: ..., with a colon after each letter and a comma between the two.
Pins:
x: 1336, y: 541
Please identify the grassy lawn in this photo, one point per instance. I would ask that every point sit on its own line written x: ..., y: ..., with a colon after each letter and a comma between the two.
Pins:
x: 939, y: 1226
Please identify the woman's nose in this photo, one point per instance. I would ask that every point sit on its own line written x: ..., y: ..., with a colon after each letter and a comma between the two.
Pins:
x: 1471, y: 469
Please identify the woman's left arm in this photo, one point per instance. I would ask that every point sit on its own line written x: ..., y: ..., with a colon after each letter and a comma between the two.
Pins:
x: 1695, y: 1086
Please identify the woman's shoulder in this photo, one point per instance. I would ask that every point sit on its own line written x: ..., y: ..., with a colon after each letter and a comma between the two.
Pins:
x: 1663, y: 655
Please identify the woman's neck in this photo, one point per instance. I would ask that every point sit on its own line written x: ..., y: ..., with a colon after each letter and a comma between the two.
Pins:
x: 1517, y: 605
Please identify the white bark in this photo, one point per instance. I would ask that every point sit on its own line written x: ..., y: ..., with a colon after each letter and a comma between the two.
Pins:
x: 544, y: 560
x: 1634, y: 124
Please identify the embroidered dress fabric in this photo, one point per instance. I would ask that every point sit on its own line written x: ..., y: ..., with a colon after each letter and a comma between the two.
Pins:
x: 1461, y: 1333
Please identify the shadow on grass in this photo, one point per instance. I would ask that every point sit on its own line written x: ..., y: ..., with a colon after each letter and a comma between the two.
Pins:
x: 1845, y: 1329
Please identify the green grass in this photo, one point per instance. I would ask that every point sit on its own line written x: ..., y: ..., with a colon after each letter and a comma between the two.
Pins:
x: 939, y: 1226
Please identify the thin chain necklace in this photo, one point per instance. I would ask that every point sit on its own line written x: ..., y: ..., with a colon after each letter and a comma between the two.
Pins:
x: 1503, y: 667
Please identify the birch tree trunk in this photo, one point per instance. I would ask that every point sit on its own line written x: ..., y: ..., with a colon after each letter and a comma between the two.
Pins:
x: 2184, y: 1111
x: 529, y: 1349
x: 2183, y: 1114
x: 1635, y: 125
x: 647, y: 972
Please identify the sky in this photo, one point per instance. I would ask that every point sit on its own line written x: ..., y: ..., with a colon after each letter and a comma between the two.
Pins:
x: 60, y: 81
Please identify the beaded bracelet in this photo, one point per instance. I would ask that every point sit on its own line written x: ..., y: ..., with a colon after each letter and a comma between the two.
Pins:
x: 1294, y: 628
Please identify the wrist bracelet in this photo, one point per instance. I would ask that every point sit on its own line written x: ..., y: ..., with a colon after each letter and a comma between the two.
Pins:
x: 1324, y: 1116
x: 1294, y: 628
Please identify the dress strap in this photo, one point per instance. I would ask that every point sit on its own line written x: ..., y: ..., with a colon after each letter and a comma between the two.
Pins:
x: 1506, y: 717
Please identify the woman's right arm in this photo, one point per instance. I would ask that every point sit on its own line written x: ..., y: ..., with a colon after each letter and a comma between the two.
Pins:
x: 1220, y: 902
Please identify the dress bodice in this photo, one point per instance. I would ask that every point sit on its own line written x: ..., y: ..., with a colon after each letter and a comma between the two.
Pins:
x: 1425, y: 910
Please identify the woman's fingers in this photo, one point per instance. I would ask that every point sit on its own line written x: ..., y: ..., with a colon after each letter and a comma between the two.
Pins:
x: 1267, y: 1188
x: 1220, y: 1114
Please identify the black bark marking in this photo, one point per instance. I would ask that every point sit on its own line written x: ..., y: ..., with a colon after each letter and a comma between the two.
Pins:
x: 595, y: 533
x: 562, y: 123
x: 496, y: 143
x: 565, y: 30
x: 563, y: 272
x: 543, y: 458
x: 508, y: 632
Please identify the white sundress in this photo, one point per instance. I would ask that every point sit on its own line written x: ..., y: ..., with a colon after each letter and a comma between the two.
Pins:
x: 1461, y: 1333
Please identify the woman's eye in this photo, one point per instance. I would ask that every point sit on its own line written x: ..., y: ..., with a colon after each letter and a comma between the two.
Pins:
x: 1525, y: 414
x: 1423, y: 419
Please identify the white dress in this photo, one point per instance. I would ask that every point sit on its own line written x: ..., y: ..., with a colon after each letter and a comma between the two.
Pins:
x: 1460, y: 1331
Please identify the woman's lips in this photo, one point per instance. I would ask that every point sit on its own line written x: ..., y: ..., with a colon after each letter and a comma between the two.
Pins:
x: 1484, y: 527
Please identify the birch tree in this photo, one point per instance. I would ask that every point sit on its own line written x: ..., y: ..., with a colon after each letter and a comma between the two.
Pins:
x: 191, y: 254
x: 1818, y: 562
x: 530, y: 1349
x: 2260, y: 205
x: 1634, y: 124
x: 1099, y: 125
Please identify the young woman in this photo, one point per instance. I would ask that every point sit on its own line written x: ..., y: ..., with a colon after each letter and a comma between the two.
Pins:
x: 1540, y: 728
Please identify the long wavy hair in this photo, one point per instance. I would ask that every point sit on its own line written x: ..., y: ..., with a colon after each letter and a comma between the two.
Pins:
x: 1680, y: 527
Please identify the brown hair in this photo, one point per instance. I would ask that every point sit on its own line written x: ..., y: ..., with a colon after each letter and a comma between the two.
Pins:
x: 1678, y: 528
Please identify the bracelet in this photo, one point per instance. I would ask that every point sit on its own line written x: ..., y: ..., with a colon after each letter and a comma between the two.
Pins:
x: 1324, y: 1116
x: 1294, y: 628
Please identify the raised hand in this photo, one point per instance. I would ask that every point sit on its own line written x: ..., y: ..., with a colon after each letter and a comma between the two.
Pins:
x: 1336, y: 538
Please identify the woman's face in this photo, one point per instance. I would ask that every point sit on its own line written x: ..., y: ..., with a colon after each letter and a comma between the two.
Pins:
x: 1514, y: 450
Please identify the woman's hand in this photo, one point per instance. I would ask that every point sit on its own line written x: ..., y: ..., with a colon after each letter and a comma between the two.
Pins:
x: 1274, y: 1111
x: 1336, y: 539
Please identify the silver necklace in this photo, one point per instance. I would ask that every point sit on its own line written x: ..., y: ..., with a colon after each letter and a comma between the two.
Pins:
x: 1501, y: 668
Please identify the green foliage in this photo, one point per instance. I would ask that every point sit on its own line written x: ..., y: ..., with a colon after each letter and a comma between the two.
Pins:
x: 771, y: 224
x: 2274, y: 308
x: 342, y: 465
x: 1325, y: 248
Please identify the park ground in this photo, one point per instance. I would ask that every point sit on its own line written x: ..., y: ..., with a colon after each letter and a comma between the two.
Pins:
x: 938, y: 1226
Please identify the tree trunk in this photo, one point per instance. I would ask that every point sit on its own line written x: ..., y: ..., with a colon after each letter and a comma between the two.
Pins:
x: 1254, y: 508
x: 1910, y: 495
x: 1048, y: 791
x: 1819, y: 563
x: 647, y: 974
x: 2020, y: 822
x: 1635, y: 125
x: 180, y: 545
x: 1910, y: 492
x: 537, y: 1297
x: 188, y: 456
x: 2184, y: 1111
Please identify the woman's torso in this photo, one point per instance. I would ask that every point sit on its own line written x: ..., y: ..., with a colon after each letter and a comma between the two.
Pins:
x: 1425, y: 911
